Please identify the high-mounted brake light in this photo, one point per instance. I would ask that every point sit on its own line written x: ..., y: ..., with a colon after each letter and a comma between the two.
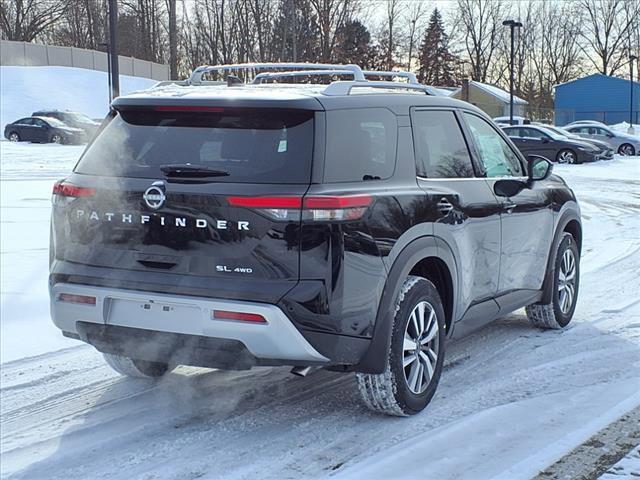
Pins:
x: 73, y: 298
x: 187, y: 108
x: 317, y: 208
x: 240, y: 316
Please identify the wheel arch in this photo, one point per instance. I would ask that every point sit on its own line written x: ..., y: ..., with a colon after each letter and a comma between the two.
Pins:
x: 569, y: 223
x: 427, y: 257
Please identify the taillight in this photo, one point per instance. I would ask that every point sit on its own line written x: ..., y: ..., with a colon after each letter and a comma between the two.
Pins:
x: 73, y: 298
x: 64, y: 192
x: 316, y: 208
x: 239, y: 316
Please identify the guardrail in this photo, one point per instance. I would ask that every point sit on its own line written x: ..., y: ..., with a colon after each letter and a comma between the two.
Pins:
x: 34, y: 54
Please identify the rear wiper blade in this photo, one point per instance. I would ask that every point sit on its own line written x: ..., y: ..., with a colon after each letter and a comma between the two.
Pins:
x: 192, y: 171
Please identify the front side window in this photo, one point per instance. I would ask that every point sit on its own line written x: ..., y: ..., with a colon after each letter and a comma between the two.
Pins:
x: 441, y: 151
x: 361, y: 145
x: 496, y: 155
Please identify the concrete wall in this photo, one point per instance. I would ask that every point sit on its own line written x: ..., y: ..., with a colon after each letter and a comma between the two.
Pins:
x: 25, y: 54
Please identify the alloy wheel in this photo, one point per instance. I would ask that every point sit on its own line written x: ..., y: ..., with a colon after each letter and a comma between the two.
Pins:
x: 566, y: 156
x: 627, y: 150
x: 56, y: 139
x: 567, y: 281
x: 420, y: 347
x: 14, y: 137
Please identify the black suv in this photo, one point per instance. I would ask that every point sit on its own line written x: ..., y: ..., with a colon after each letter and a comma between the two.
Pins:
x: 357, y: 226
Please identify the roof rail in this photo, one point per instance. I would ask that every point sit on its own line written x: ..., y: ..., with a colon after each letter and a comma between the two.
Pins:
x: 251, y: 68
x: 410, y: 76
x: 345, y: 87
x: 298, y: 73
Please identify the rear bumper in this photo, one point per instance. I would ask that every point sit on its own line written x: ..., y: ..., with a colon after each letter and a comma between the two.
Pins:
x: 180, y: 329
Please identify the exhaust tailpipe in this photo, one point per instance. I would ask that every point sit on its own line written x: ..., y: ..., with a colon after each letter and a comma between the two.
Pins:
x: 301, y: 371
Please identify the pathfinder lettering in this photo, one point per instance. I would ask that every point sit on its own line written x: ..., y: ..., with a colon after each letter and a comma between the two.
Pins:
x: 181, y: 222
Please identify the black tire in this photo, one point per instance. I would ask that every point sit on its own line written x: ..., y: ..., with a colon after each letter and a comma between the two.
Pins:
x: 131, y: 367
x: 14, y: 137
x: 389, y: 392
x: 626, y: 149
x: 566, y: 155
x: 554, y: 315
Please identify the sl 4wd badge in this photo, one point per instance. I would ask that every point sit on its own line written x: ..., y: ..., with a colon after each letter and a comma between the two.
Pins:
x: 225, y: 269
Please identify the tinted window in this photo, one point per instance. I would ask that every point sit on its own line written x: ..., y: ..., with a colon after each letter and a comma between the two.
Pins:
x: 496, y: 155
x: 533, y: 133
x: 441, y: 151
x: 360, y: 143
x: 39, y: 123
x: 514, y: 132
x: 24, y: 121
x: 600, y: 131
x: 251, y: 145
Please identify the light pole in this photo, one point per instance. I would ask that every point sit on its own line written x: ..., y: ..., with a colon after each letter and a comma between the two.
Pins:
x: 113, y: 48
x: 513, y: 25
x: 631, y: 60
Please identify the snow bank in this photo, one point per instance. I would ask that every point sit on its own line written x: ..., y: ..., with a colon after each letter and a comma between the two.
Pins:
x: 624, y: 128
x: 24, y: 90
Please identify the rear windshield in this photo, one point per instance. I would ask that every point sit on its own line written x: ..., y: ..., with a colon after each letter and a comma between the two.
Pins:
x: 251, y: 145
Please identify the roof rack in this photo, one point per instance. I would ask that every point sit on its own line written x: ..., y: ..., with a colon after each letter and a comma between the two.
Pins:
x: 292, y: 70
x: 250, y: 68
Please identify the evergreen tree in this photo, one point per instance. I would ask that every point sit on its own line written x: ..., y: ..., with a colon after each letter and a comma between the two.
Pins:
x: 353, y: 45
x: 437, y: 63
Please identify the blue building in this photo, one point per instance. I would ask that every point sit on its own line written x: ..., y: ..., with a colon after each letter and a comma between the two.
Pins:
x: 596, y: 97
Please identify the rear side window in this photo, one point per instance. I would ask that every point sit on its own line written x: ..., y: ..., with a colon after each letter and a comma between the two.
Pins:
x: 251, y: 145
x: 441, y: 151
x: 361, y: 144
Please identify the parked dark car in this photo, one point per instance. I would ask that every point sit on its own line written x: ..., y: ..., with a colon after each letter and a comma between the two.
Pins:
x: 235, y: 226
x: 536, y: 140
x: 43, y: 130
x: 606, y: 152
x: 73, y: 119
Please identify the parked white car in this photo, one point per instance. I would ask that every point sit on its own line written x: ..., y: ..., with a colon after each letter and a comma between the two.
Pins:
x: 622, y: 143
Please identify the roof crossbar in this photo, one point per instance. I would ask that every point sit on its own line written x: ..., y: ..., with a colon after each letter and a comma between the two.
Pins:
x: 345, y: 87
x: 252, y: 68
x: 411, y: 77
x: 298, y: 73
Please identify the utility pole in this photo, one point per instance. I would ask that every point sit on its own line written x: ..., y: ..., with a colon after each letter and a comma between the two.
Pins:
x: 632, y: 58
x: 173, y: 43
x: 513, y: 25
x: 113, y: 48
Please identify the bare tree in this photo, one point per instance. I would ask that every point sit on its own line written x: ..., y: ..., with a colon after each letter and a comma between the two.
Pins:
x: 608, y: 31
x: 25, y: 20
x: 394, y: 11
x: 331, y: 14
x: 479, y: 27
x: 414, y: 17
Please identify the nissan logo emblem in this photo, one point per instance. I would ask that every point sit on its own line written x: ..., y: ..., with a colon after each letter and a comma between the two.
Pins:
x: 154, y: 196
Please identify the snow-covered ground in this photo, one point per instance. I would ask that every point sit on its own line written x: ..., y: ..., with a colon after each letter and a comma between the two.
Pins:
x: 627, y: 468
x: 512, y: 400
x: 24, y: 90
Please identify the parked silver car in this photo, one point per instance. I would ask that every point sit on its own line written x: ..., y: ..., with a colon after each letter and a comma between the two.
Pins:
x: 622, y: 143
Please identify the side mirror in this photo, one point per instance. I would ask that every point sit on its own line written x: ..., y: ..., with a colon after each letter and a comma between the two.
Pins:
x: 539, y: 168
x: 609, y: 135
x: 546, y: 139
